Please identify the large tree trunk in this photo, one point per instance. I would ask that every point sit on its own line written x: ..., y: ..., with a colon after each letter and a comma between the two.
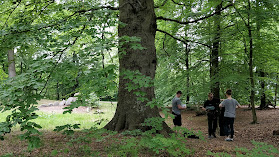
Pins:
x: 11, y: 62
x: 140, y: 21
x: 214, y: 57
x: 252, y: 96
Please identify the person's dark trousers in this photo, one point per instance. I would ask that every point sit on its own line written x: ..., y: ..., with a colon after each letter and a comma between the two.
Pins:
x: 228, y: 126
x: 221, y: 125
x: 212, y: 125
x: 177, y: 119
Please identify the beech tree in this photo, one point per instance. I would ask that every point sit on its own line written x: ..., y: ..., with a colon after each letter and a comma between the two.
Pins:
x: 138, y: 20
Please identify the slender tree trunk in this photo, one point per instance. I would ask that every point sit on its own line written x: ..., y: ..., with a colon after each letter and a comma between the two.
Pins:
x: 76, y: 62
x: 57, y: 91
x: 187, y: 74
x: 214, y: 57
x: 103, y: 53
x: 263, y: 104
x: 140, y: 21
x: 11, y: 62
x: 252, y: 96
x: 276, y: 88
x: 21, y: 67
x: 263, y: 97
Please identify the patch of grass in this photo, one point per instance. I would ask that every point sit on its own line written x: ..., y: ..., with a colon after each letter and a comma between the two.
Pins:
x: 48, y: 120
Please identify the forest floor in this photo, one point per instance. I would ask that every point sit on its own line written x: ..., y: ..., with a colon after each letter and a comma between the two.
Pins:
x: 245, y: 132
x: 55, y: 144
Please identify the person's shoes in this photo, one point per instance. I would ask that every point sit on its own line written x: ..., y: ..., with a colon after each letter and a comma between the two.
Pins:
x: 228, y: 139
x: 210, y: 137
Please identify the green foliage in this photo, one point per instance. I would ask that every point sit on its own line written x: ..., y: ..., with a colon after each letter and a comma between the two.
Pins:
x: 136, y: 132
x: 156, y: 123
x: 70, y: 46
x: 137, y: 81
x: 260, y: 150
x: 67, y: 129
x: 150, y: 145
x: 54, y: 153
x: 126, y: 42
x: 127, y: 147
x: 159, y: 144
x: 93, y: 100
x: 196, y: 41
x: 3, y: 75
x: 17, y: 95
x: 7, y: 155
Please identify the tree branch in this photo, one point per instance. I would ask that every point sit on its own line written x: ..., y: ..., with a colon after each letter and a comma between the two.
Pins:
x: 60, y: 56
x: 10, y: 15
x: 61, y: 21
x: 185, y: 41
x: 193, y: 21
x: 242, y: 18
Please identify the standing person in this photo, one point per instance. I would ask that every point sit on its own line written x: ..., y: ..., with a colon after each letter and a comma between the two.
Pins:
x: 176, y: 107
x: 211, y: 105
x: 221, y: 121
x: 230, y: 105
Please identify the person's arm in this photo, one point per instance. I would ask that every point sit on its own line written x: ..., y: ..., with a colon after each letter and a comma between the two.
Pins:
x: 237, y: 104
x: 180, y: 107
x: 204, y: 106
x: 221, y: 105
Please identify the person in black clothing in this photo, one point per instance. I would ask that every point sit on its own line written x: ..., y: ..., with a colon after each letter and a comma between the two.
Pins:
x: 212, y: 107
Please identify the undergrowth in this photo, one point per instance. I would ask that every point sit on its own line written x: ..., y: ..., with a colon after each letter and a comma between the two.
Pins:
x: 260, y: 150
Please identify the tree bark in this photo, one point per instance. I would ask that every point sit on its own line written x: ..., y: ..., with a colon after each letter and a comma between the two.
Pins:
x: 139, y: 20
x: 252, y: 96
x: 187, y: 50
x: 214, y: 57
x: 11, y: 62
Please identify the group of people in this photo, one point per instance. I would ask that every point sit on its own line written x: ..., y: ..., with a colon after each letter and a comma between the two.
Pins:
x: 222, y: 109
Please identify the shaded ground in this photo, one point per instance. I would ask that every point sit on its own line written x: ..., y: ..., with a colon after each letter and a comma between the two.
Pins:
x: 244, y: 131
x: 244, y: 134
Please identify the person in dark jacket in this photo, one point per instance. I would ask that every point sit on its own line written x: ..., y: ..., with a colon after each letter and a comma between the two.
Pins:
x: 212, y: 107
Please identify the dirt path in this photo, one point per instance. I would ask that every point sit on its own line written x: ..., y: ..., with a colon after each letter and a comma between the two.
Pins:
x: 244, y: 131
